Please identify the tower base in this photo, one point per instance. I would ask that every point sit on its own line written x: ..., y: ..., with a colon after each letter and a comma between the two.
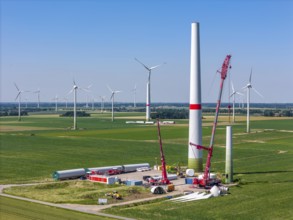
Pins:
x: 196, y: 164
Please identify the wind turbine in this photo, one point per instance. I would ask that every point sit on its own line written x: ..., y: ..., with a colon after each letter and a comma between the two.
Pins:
x: 38, y: 92
x: 113, y: 92
x: 19, y: 100
x: 134, y: 94
x: 102, y: 102
x: 148, y: 98
x: 26, y: 100
x: 234, y: 93
x: 93, y: 103
x: 56, y: 99
x: 74, y: 90
x: 87, y: 101
x: 248, y: 87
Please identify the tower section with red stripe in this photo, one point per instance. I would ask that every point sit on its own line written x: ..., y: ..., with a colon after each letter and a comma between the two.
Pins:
x: 195, y: 109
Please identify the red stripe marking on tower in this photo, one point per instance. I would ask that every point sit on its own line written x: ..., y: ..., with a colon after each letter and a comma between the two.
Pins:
x: 147, y: 104
x: 195, y: 106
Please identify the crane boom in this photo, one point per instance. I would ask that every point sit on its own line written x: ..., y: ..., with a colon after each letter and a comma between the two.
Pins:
x: 206, y: 177
x: 165, y: 179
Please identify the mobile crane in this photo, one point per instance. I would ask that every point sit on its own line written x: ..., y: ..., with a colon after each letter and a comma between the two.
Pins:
x: 164, y: 180
x: 206, y: 181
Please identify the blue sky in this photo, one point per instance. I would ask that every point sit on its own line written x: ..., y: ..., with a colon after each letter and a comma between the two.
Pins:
x: 45, y: 44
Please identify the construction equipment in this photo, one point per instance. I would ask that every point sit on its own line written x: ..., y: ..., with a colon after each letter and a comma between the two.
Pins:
x: 179, y: 170
x: 164, y: 179
x: 114, y: 195
x: 206, y: 181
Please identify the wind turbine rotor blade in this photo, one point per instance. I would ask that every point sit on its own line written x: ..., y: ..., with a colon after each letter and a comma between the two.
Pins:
x: 250, y: 75
x: 245, y: 87
x: 18, y: 94
x: 89, y: 86
x: 112, y: 96
x: 70, y: 91
x: 109, y: 88
x: 16, y: 87
x: 154, y: 67
x: 84, y: 89
x: 239, y: 93
x: 233, y: 90
x: 142, y: 64
x: 257, y: 92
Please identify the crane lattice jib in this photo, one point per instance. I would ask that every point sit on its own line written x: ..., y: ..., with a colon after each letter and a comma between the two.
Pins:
x: 164, y: 171
x: 225, y: 67
x: 224, y: 71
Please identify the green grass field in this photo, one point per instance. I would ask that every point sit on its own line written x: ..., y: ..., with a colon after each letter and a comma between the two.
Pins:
x: 40, y: 144
x: 14, y: 209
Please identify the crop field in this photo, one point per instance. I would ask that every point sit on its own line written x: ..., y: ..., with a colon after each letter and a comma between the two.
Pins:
x: 31, y: 150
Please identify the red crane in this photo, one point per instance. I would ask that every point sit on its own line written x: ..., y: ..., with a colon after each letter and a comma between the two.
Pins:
x: 164, y: 179
x: 206, y: 181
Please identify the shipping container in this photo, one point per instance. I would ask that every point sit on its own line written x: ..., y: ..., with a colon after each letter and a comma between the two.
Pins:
x: 103, y: 179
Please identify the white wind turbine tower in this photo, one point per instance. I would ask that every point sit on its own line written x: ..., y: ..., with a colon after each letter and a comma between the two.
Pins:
x: 93, y: 103
x: 74, y: 90
x: 38, y: 92
x: 113, y: 92
x: 248, y: 87
x: 26, y: 100
x: 56, y: 99
x: 134, y: 94
x: 102, y: 102
x: 87, y: 101
x: 19, y: 100
x: 148, y: 98
x: 234, y: 93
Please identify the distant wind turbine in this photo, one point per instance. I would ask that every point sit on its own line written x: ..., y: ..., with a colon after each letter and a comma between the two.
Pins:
x: 26, y: 100
x: 74, y: 90
x: 19, y: 100
x: 56, y: 99
x: 102, y: 102
x: 134, y: 94
x: 38, y: 92
x: 87, y: 101
x: 148, y: 98
x: 93, y: 103
x: 113, y: 92
x: 234, y: 93
x: 248, y: 87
